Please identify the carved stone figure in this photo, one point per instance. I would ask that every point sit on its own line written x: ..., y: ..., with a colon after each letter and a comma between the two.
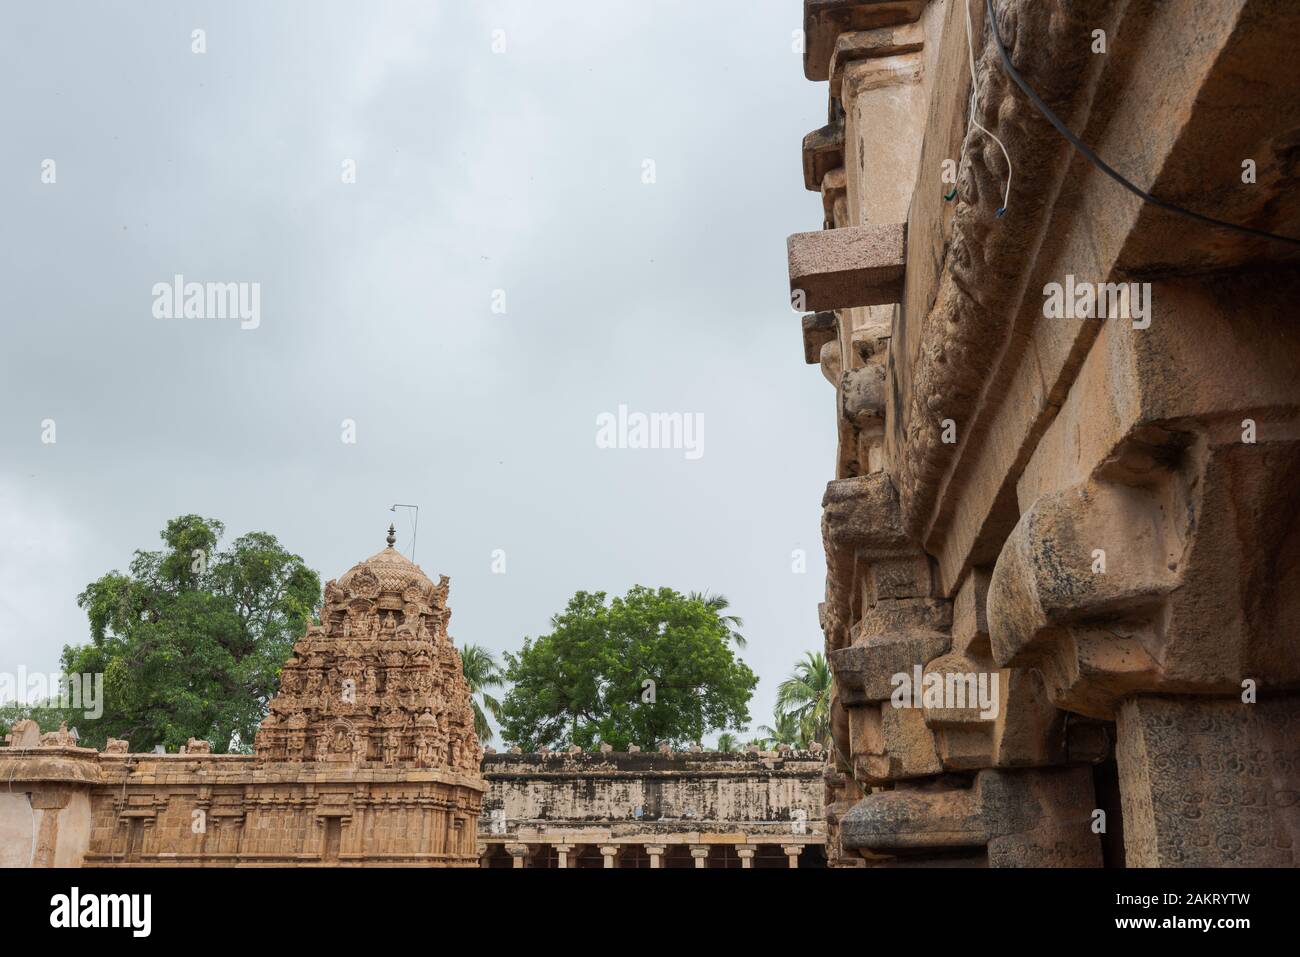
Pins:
x: 63, y: 738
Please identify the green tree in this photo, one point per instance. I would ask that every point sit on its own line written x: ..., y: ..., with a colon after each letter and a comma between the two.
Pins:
x: 728, y: 743
x: 191, y: 640
x: 718, y: 604
x: 786, y: 730
x: 651, y: 666
x: 482, y: 672
x: 806, y: 698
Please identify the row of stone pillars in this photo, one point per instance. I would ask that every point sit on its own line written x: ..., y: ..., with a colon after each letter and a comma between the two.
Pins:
x: 519, y: 854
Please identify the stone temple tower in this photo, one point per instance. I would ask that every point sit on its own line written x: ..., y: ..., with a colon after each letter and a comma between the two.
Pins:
x: 378, y: 682
x: 368, y: 757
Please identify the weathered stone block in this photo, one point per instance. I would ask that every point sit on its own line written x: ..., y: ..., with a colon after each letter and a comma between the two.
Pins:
x: 825, y: 20
x: 1028, y: 818
x: 819, y: 328
x: 970, y: 625
x: 891, y: 744
x: 1210, y: 782
x: 847, y: 267
x: 823, y: 151
x: 871, y: 44
x: 897, y: 578
x: 865, y: 669
x: 862, y: 512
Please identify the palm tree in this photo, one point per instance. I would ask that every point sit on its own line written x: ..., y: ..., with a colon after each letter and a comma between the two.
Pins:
x: 805, y: 697
x: 785, y: 732
x: 482, y: 672
x: 718, y: 604
x: 728, y: 742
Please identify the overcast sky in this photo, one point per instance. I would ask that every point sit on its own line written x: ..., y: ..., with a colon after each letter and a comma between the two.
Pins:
x: 476, y: 171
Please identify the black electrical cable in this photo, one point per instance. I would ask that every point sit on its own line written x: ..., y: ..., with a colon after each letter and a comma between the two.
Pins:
x: 1101, y: 164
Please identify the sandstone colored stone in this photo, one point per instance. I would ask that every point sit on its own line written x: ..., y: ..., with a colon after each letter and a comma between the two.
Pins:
x: 1209, y: 783
x: 1020, y: 818
x: 632, y: 808
x: 823, y: 151
x: 850, y: 266
x: 1099, y: 511
x: 872, y: 44
x: 24, y: 734
x: 819, y: 328
x: 825, y: 20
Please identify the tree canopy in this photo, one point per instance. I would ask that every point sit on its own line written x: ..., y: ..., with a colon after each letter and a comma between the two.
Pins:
x: 192, y: 638
x: 653, y: 666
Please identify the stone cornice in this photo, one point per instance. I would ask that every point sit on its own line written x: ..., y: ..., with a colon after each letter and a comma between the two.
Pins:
x: 981, y: 283
x: 825, y: 20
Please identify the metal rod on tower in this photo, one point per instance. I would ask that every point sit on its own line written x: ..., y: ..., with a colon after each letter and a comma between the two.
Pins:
x: 415, y: 529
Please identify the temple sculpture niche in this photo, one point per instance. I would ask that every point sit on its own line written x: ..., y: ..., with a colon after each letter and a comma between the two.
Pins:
x: 367, y: 757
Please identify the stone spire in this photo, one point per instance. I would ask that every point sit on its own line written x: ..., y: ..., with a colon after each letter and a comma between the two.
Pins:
x: 378, y: 680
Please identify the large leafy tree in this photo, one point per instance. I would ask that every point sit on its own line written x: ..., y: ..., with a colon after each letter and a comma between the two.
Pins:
x: 649, y: 667
x: 192, y: 638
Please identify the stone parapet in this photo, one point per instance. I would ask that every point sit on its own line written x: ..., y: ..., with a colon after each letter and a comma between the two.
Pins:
x: 651, y: 809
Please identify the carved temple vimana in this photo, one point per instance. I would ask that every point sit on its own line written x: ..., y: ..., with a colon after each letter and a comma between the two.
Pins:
x: 1084, y: 513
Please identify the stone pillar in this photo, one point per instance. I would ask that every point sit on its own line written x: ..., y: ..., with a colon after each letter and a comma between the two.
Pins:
x: 701, y: 854
x: 1209, y: 783
x: 656, y: 852
x: 792, y: 852
x: 610, y: 853
x: 746, y: 854
x: 518, y: 854
x: 562, y: 852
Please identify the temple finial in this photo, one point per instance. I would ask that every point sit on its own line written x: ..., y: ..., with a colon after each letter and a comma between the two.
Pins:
x: 392, y: 536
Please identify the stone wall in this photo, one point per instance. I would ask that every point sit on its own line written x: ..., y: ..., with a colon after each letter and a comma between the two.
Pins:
x: 694, y: 809
x: 1098, y: 509
x: 86, y: 808
x: 67, y: 806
